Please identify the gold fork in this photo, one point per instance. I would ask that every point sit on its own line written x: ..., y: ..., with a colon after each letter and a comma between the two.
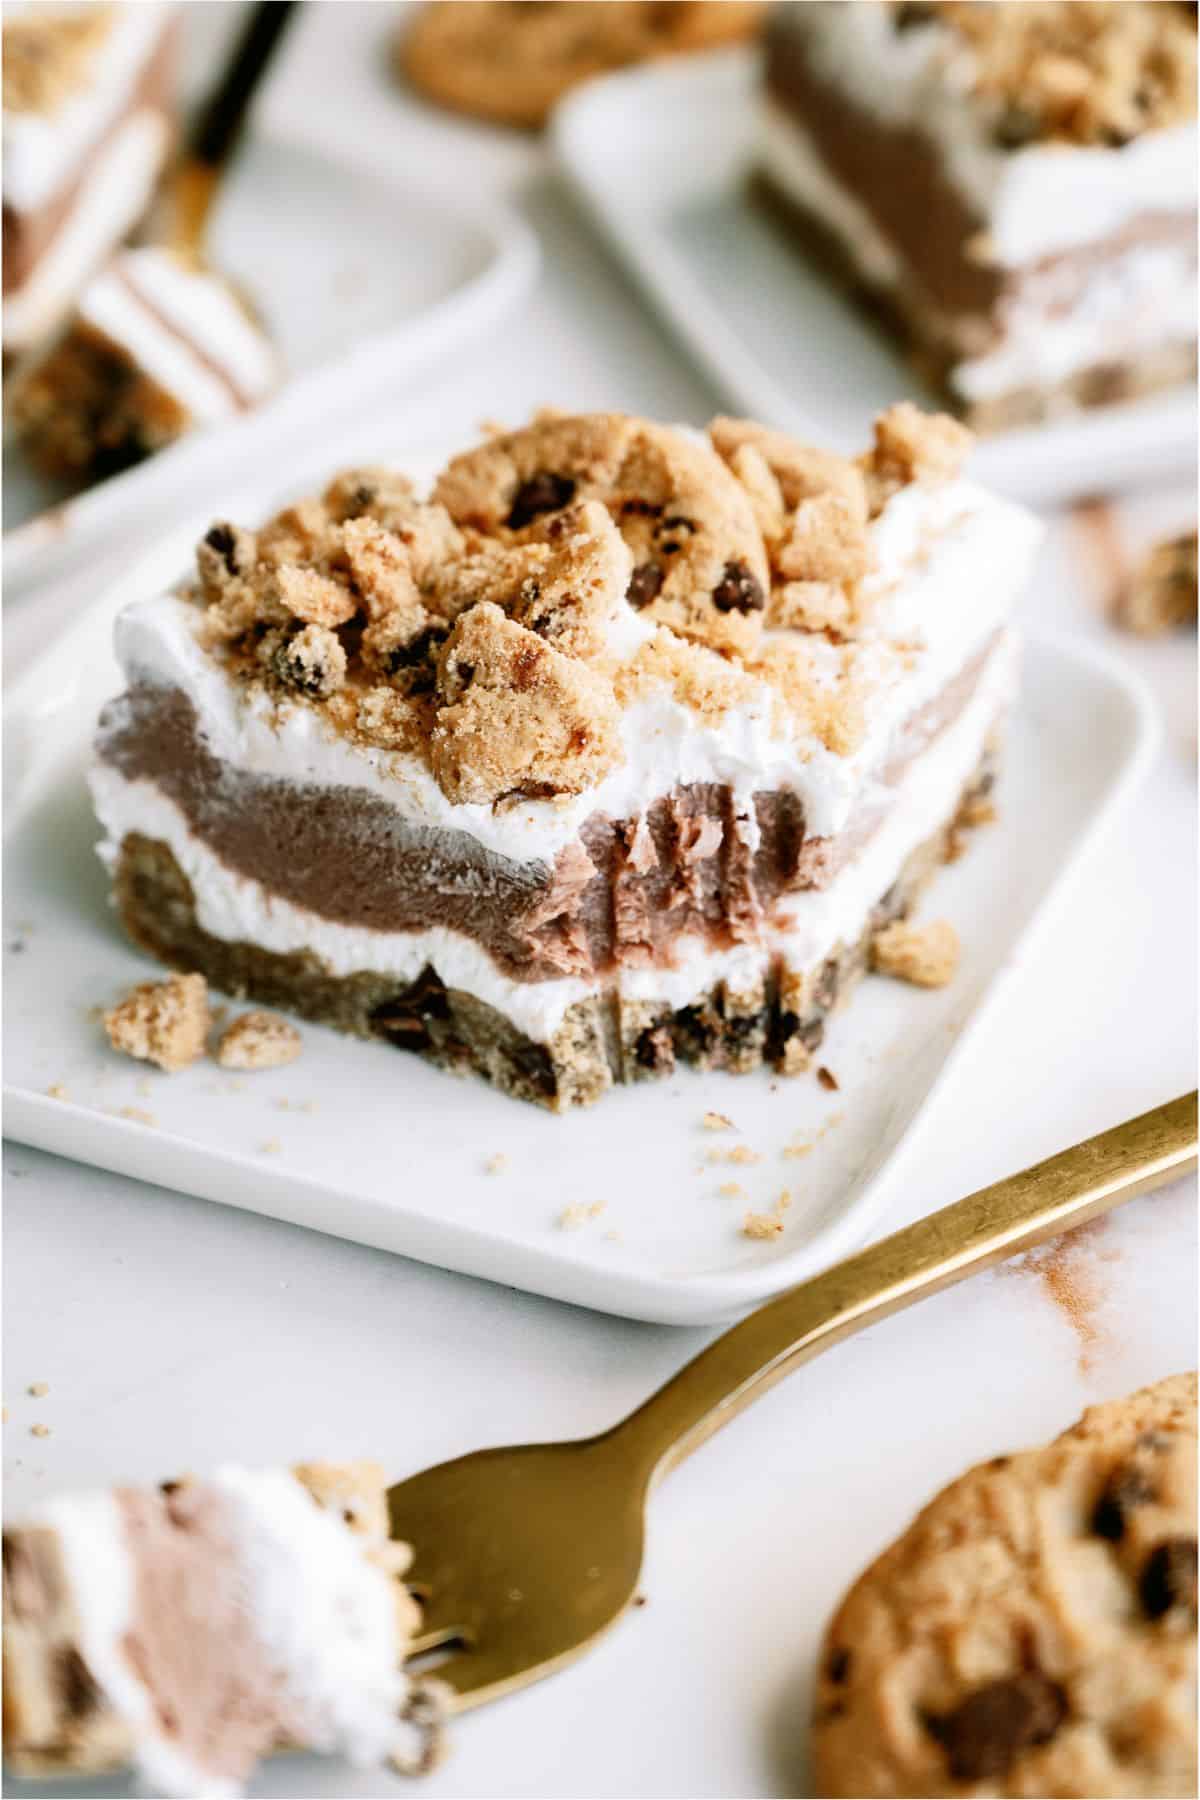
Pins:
x: 524, y: 1555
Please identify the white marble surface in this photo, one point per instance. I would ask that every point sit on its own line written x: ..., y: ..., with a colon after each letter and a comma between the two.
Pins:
x: 173, y: 1334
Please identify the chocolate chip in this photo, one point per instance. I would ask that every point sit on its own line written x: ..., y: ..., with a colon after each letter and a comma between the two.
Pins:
x: 404, y: 1019
x: 1168, y: 1580
x: 745, y: 1025
x: 1016, y: 127
x: 542, y: 493
x: 912, y: 13
x: 533, y: 1062
x: 416, y: 657
x: 828, y: 1079
x: 644, y: 585
x: 983, y: 1734
x: 72, y: 1677
x: 695, y: 1031
x: 655, y: 1050
x: 837, y: 1666
x: 1124, y: 1490
x: 221, y: 539
x: 738, y: 590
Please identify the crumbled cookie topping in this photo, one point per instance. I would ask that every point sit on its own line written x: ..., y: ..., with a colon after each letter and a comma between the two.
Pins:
x: 1097, y: 72
x: 258, y: 1040
x: 517, y: 719
x: 163, y: 1022
x: 925, y: 955
x: 49, y: 55
x: 493, y: 628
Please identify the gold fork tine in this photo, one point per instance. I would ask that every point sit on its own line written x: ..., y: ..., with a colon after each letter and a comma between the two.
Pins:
x: 531, y: 1552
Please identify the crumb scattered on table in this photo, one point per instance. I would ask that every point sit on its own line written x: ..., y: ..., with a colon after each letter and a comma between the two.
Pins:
x: 259, y: 1040
x: 57, y: 1091
x: 740, y: 1153
x: 496, y: 1163
x: 925, y: 955
x: 272, y: 1147
x: 732, y: 1190
x: 38, y: 1389
x: 828, y: 1079
x: 39, y: 1431
x: 577, y: 1214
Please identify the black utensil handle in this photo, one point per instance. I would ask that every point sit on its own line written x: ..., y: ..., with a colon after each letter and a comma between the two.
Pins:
x: 224, y: 113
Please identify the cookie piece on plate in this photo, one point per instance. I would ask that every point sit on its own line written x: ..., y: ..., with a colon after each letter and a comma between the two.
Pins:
x: 1012, y: 186
x: 88, y: 117
x: 616, y: 749
x: 195, y: 1627
x: 513, y: 63
x: 1034, y: 1630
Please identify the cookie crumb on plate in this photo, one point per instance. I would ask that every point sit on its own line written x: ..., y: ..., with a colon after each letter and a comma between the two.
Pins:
x: 925, y: 955
x: 259, y: 1040
x: 163, y: 1022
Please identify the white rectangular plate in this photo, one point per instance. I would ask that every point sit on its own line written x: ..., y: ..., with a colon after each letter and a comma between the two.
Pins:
x: 363, y: 1141
x: 662, y: 156
x: 362, y: 281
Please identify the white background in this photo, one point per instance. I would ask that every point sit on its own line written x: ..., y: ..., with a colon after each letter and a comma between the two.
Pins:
x: 174, y: 1334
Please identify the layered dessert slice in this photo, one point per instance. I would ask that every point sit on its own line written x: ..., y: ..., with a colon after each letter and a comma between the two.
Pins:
x: 193, y: 1628
x: 1012, y: 186
x: 88, y: 112
x: 613, y: 751
x: 156, y: 346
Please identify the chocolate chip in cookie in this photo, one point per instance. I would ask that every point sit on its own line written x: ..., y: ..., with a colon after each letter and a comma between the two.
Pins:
x: 1168, y: 1581
x: 738, y: 590
x: 1126, y: 1489
x: 983, y: 1734
x: 542, y: 493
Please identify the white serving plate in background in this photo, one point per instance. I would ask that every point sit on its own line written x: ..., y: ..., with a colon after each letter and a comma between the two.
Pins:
x: 662, y: 155
x: 364, y: 282
x: 393, y: 1153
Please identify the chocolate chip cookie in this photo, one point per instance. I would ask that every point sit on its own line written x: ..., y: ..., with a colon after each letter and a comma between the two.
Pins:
x: 1034, y: 1630
x: 511, y: 63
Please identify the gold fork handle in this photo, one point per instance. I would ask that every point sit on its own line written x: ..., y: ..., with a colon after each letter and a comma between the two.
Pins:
x: 997, y: 1222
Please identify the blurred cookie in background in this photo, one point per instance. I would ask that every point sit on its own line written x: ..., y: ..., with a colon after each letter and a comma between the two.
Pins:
x: 511, y: 61
x: 88, y: 122
x: 1162, y: 592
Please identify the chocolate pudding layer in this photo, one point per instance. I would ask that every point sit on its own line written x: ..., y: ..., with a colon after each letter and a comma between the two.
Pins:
x: 621, y: 894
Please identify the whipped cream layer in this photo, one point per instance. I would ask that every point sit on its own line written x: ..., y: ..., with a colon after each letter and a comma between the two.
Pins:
x: 949, y: 563
x: 313, y: 1637
x: 810, y: 924
x: 185, y: 328
x: 43, y: 151
x: 1034, y: 202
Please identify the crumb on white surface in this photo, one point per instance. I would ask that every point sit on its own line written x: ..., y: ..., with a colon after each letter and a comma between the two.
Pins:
x: 923, y: 955
x: 272, y: 1147
x: 732, y: 1190
x: 138, y: 1114
x: 496, y: 1163
x: 57, y: 1091
x: 163, y: 1022
x: 828, y: 1079
x: 259, y: 1040
x: 739, y: 1153
x: 715, y: 1121
x: 38, y: 1389
x: 39, y: 1431
x: 761, y: 1225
